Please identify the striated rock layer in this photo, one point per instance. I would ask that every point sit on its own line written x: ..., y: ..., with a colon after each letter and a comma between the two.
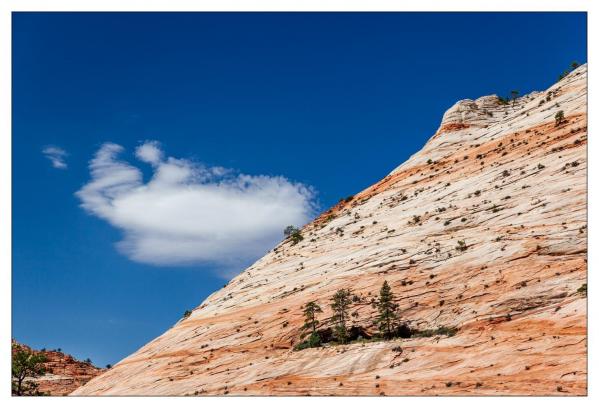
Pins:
x: 502, y: 178
x: 64, y: 374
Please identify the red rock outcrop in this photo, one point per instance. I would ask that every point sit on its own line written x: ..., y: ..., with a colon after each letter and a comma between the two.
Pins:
x: 64, y: 374
x: 483, y: 230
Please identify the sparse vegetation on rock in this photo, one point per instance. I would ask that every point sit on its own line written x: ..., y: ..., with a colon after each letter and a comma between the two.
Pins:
x: 440, y: 331
x: 293, y: 234
x: 502, y: 100
x: 559, y: 118
x: 564, y: 74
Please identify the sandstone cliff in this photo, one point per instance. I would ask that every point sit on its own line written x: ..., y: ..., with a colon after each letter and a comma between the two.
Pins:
x: 64, y: 374
x: 502, y: 178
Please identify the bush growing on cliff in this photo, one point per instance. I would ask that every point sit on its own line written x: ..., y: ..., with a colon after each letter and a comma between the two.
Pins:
x: 313, y: 341
x: 296, y: 237
x: 290, y: 230
x: 564, y: 74
x: 502, y: 100
x: 26, y: 365
x: 440, y: 331
x: 559, y: 118
x: 461, y: 246
x: 186, y: 314
x: 293, y: 233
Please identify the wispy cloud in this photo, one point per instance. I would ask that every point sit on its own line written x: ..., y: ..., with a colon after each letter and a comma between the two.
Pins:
x: 188, y: 212
x: 56, y: 155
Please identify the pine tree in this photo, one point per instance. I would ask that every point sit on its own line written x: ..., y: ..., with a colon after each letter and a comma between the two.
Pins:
x: 387, y: 316
x: 341, y: 302
x: 515, y: 94
x: 310, y: 310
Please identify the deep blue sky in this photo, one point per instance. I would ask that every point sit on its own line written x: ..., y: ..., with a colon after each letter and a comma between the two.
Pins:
x: 335, y: 101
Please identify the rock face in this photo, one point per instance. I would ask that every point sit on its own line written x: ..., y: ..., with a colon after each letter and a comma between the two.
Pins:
x: 64, y: 374
x: 506, y: 181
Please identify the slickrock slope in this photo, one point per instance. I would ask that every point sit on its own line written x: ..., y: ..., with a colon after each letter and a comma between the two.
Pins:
x: 502, y: 178
x: 64, y: 374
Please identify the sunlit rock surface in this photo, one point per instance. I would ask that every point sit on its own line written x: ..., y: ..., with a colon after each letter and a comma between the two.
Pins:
x: 504, y: 179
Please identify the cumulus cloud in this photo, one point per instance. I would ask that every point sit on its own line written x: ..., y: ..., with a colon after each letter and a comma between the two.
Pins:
x: 188, y: 212
x: 149, y: 152
x: 56, y: 155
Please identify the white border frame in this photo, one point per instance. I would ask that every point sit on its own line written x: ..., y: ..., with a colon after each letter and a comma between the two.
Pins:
x: 8, y: 6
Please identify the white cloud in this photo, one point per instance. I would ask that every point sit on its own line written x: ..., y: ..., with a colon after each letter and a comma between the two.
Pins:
x: 149, y: 152
x: 56, y: 155
x: 190, y: 213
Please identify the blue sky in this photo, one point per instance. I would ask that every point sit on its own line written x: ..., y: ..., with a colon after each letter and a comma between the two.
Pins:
x: 331, y: 102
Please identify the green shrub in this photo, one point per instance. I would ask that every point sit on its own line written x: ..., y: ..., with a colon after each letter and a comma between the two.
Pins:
x: 440, y: 331
x: 559, y: 118
x: 296, y: 237
x: 312, y: 341
x: 461, y: 246
x: 290, y: 230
